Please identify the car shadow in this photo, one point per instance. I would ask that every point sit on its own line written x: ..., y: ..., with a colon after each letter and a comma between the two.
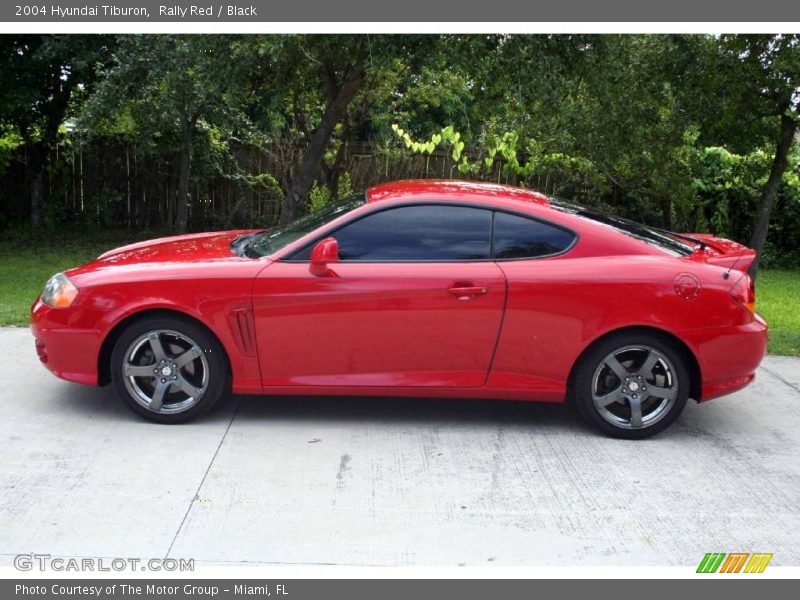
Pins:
x: 403, y: 411
x: 104, y: 404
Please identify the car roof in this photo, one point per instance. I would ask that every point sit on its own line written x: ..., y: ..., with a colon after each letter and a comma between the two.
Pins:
x: 602, y: 239
x: 451, y: 189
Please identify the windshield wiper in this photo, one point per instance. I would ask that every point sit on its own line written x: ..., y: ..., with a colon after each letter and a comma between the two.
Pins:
x: 240, y: 244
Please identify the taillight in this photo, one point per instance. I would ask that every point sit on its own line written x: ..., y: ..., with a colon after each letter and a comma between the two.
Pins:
x: 744, y: 292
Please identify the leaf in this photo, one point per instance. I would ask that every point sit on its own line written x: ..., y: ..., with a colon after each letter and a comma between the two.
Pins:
x: 457, y: 149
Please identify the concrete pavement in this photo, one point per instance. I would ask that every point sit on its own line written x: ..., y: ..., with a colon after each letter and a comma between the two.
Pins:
x: 378, y: 481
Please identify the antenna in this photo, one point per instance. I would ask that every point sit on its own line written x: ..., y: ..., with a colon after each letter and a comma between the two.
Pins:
x: 727, y: 273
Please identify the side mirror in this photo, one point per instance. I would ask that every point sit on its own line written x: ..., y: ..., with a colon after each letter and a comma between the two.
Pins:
x: 324, y: 253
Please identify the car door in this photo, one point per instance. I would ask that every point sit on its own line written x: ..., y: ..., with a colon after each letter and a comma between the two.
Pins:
x: 545, y: 316
x: 414, y: 300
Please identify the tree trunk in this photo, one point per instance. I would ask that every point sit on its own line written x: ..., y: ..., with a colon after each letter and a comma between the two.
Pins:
x: 38, y: 156
x: 339, y: 98
x: 666, y: 213
x: 184, y: 172
x: 335, y: 170
x: 770, y: 192
x: 230, y: 220
x: 37, y: 161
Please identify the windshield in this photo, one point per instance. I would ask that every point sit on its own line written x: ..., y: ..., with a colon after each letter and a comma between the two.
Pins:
x: 641, y: 232
x: 276, y: 238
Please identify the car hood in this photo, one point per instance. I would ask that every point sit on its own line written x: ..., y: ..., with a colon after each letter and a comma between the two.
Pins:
x: 195, y: 247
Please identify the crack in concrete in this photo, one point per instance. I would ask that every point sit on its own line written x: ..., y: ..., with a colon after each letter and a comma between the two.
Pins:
x: 779, y: 378
x: 196, y: 495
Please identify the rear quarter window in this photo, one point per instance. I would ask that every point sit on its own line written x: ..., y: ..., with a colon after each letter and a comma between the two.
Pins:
x: 516, y: 236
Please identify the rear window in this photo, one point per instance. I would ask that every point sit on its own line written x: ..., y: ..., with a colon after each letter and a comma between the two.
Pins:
x: 633, y: 229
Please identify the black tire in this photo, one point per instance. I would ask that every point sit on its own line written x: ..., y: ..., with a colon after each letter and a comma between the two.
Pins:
x: 583, y: 385
x: 208, y: 372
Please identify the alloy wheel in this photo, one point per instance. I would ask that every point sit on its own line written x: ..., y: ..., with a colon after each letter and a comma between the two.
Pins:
x: 634, y: 387
x: 165, y: 371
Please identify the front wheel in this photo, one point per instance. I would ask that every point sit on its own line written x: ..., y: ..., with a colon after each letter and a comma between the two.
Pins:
x: 168, y: 369
x: 631, y: 385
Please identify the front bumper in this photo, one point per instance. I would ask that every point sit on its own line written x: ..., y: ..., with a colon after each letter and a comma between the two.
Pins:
x: 63, y: 344
x: 728, y: 356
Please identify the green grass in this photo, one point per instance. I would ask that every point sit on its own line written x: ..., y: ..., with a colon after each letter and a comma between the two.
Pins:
x: 26, y: 265
x: 778, y: 299
x: 24, y: 269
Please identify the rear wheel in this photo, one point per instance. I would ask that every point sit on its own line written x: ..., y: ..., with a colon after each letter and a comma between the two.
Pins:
x: 631, y: 385
x: 168, y: 369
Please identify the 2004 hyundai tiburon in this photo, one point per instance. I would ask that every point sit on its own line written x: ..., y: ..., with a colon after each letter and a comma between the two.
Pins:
x: 416, y: 288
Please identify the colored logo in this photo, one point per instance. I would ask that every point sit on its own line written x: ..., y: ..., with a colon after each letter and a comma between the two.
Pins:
x: 734, y: 562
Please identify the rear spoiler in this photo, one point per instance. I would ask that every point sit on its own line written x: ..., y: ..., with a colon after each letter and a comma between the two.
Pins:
x: 723, y: 252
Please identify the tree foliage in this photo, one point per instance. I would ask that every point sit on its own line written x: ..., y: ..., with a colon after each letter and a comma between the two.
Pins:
x: 692, y: 132
x: 44, y: 78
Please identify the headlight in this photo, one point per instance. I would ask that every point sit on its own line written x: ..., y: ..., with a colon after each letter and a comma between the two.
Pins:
x: 59, y: 291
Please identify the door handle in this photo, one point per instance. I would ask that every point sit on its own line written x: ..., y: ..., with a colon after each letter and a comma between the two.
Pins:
x: 466, y: 291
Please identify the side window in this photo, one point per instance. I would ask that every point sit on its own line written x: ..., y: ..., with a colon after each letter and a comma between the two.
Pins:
x: 416, y: 233
x: 520, y: 237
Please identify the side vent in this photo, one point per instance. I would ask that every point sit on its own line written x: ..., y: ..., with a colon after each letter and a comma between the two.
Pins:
x: 241, y: 320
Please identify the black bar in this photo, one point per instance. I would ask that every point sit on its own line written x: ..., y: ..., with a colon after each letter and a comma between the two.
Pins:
x: 210, y: 11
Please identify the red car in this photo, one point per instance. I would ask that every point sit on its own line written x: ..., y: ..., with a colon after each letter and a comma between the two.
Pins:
x: 416, y: 288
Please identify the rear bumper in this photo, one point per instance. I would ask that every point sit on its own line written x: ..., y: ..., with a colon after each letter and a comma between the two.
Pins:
x: 728, y: 356
x: 67, y: 350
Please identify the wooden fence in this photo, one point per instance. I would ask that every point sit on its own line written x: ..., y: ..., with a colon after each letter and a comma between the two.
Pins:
x: 107, y: 183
